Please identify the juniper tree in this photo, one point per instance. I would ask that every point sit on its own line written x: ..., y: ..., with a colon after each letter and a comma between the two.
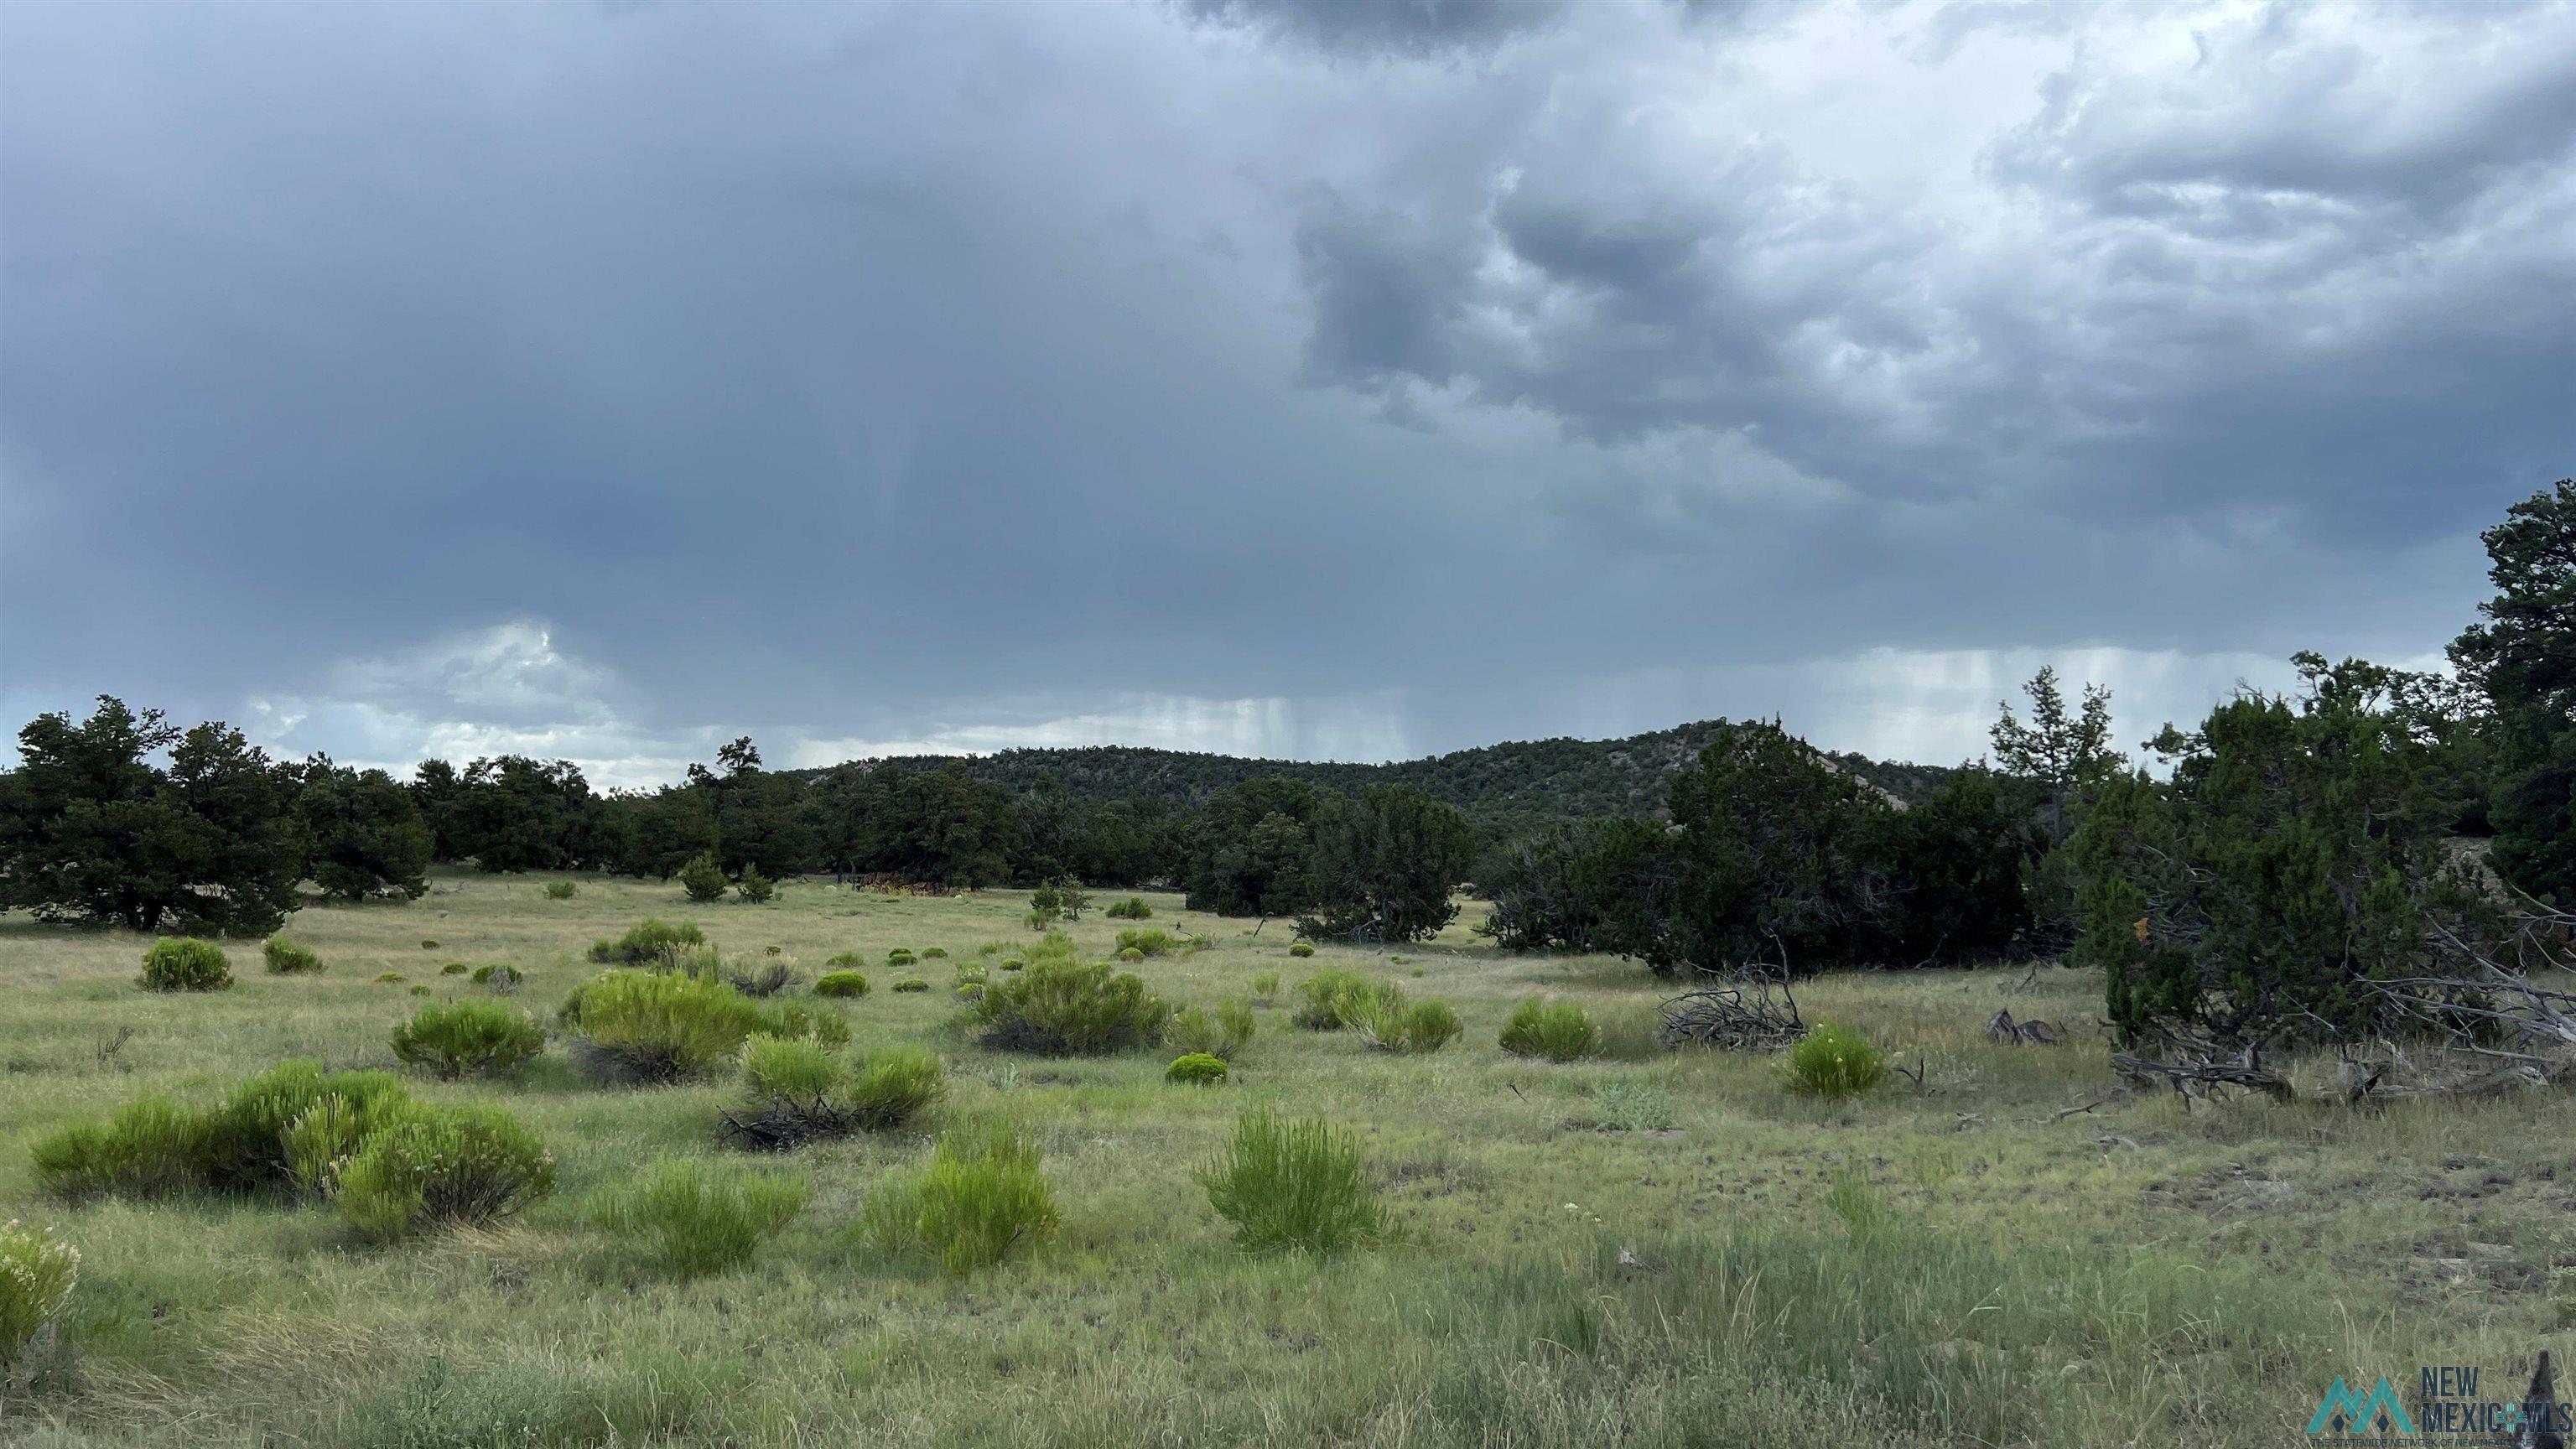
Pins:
x: 92, y: 829
x: 1774, y: 857
x: 367, y: 834
x: 1383, y: 865
x: 2290, y: 867
x: 2522, y: 656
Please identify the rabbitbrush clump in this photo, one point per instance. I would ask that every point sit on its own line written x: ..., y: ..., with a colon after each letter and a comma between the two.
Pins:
x: 1220, y: 1035
x: 467, y: 1038
x: 800, y: 1089
x: 1058, y: 1009
x: 981, y: 1197
x: 288, y: 958
x: 447, y: 1166
x: 1293, y: 1185
x: 658, y: 1028
x: 184, y: 963
x: 1556, y: 1030
x: 687, y: 1218
x: 37, y: 1275
x: 391, y: 1165
x: 1833, y: 1061
x: 646, y: 941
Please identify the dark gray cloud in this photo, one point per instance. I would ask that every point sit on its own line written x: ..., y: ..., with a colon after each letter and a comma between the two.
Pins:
x: 456, y: 377
x: 1407, y: 28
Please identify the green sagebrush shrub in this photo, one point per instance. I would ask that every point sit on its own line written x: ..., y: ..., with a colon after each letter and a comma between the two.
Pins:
x: 1130, y: 953
x: 755, y: 888
x: 420, y: 991
x: 935, y: 953
x: 1333, y: 998
x: 840, y: 983
x: 843, y: 961
x: 561, y: 890
x: 1151, y: 941
x: 37, y: 1275
x: 801, y: 1090
x: 1197, y: 1069
x: 1060, y: 1009
x: 440, y: 1167
x: 288, y: 958
x: 891, y: 1085
x: 322, y: 1139
x: 149, y: 1147
x: 1221, y: 1034
x: 1293, y: 1185
x: 1301, y: 949
x: 1556, y: 1030
x: 1131, y: 909
x: 1013, y: 963
x: 498, y: 976
x: 790, y: 1066
x: 912, y: 983
x: 454, y: 968
x: 462, y: 1038
x: 390, y: 978
x: 658, y: 1028
x: 184, y: 963
x: 646, y: 940
x: 671, y: 1027
x: 901, y: 956
x: 156, y: 1145
x: 980, y: 1197
x: 686, y: 1218
x: 1265, y: 984
x: 798, y: 1018
x: 429, y: 944
x: 1832, y: 1061
x: 1409, y: 1026
x: 246, y: 1137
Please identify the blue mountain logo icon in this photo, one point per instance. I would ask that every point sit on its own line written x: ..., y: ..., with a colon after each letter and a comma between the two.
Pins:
x: 2345, y: 1413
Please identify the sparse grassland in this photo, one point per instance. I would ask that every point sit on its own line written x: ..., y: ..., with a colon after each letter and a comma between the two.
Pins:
x: 1630, y: 1248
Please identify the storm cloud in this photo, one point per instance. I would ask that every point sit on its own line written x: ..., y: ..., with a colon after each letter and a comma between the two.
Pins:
x: 1280, y: 376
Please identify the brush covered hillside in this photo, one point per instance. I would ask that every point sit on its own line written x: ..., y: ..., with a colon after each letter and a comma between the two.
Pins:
x: 1520, y: 781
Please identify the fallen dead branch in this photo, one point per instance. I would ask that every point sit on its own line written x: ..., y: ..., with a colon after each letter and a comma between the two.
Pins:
x: 2201, y: 1077
x: 1747, y: 1015
x: 2002, y: 1028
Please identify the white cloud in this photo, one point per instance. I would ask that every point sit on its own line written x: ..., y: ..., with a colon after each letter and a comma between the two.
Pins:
x: 505, y: 689
x: 512, y: 688
x: 1930, y: 706
x: 1369, y: 729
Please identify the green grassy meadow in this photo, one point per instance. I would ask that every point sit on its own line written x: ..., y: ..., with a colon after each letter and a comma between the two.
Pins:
x: 1649, y: 1248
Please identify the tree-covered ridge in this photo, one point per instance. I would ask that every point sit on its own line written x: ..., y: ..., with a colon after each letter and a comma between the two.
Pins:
x: 1504, y: 784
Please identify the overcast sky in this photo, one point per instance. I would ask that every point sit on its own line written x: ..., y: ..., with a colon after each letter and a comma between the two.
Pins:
x: 1328, y: 378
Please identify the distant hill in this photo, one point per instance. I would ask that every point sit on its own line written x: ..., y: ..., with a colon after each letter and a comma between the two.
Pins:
x: 1506, y: 784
